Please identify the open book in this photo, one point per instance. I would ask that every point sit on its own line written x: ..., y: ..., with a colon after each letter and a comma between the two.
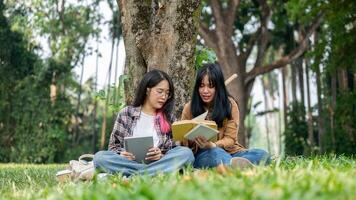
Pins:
x: 181, y: 128
x: 138, y: 146
x: 202, y: 130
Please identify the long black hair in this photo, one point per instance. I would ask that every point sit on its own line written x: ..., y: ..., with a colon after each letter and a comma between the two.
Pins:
x: 221, y: 105
x: 150, y: 80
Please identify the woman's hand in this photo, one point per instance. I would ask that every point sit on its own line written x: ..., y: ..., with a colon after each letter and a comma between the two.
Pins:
x: 127, y: 155
x: 154, y: 154
x: 203, y: 143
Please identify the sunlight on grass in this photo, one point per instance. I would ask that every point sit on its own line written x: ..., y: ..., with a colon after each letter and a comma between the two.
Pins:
x: 293, y: 178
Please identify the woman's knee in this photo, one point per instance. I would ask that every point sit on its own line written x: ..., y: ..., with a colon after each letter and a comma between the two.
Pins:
x: 185, y: 153
x: 260, y: 152
x: 264, y: 156
x: 101, y: 157
x: 215, y: 152
x: 211, y: 158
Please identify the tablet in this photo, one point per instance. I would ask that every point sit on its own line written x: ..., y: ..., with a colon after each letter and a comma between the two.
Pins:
x: 138, y: 146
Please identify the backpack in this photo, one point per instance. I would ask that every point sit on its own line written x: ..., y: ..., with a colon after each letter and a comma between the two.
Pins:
x: 81, y: 169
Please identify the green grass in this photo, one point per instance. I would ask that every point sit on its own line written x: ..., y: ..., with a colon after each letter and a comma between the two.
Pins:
x: 292, y: 178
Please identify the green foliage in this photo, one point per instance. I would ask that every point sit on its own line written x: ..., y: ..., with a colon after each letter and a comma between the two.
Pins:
x: 331, y: 54
x: 24, y: 105
x: 336, y: 35
x: 33, y: 128
x: 293, y: 178
x: 344, y: 130
x: 296, y: 131
x: 116, y: 99
x: 338, y: 140
x: 204, y: 55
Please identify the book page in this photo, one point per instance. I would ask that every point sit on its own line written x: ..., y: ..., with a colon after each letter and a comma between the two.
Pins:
x: 201, y: 130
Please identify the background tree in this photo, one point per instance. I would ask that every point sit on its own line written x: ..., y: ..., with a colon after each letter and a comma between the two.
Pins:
x: 333, y: 66
x: 41, y: 116
x: 234, y: 29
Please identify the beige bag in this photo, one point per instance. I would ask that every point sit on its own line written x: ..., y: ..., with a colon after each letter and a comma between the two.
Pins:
x: 81, y: 169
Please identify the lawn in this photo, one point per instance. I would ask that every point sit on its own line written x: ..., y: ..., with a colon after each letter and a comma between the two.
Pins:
x: 292, y: 178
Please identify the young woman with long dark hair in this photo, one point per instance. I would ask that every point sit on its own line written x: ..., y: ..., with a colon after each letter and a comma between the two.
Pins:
x: 150, y: 115
x: 210, y: 94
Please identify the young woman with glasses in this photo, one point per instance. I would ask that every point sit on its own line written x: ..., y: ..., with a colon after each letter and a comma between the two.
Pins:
x: 150, y: 115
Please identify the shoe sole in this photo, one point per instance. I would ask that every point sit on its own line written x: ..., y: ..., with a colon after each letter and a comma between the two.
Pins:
x: 240, y: 163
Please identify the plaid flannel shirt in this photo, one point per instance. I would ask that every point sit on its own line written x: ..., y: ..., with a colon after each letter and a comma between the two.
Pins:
x: 126, y: 121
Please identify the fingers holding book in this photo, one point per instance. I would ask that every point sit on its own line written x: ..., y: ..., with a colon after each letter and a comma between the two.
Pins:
x: 203, y: 143
x: 154, y: 154
x: 127, y: 155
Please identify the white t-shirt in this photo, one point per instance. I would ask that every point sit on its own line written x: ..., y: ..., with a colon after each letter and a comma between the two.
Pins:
x: 145, y: 127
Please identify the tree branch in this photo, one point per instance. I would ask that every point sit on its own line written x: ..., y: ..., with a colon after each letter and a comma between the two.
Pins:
x: 209, y: 36
x: 264, y: 36
x: 250, y: 44
x: 218, y: 14
x: 288, y: 58
x: 230, y: 15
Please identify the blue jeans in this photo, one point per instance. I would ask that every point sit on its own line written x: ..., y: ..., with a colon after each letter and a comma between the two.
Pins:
x: 208, y: 158
x: 173, y: 160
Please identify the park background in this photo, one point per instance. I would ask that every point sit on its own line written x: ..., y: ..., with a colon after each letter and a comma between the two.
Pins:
x: 63, y: 77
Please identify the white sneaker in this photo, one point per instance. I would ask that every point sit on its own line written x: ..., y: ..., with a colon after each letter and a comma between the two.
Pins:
x: 240, y: 163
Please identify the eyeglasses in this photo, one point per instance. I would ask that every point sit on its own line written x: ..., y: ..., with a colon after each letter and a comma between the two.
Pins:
x: 162, y: 93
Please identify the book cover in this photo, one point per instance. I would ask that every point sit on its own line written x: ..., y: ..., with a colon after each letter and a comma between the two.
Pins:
x: 138, y: 146
x: 181, y: 128
x: 202, y: 130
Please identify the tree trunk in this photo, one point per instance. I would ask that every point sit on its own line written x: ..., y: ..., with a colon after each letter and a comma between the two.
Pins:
x: 115, y: 76
x: 95, y: 133
x: 332, y: 108
x: 280, y: 132
x: 354, y: 84
x: 285, y: 95
x: 294, y: 81
x: 285, y: 101
x: 162, y: 36
x: 77, y: 116
x: 309, y: 111
x: 343, y: 80
x: 265, y: 88
x: 233, y: 58
x: 320, y: 107
x: 301, y: 80
x: 107, y: 100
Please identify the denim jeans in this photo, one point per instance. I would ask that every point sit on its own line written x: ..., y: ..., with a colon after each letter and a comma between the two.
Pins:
x: 173, y: 160
x: 208, y: 158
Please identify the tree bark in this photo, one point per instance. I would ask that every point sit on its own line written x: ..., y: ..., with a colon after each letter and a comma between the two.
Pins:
x: 320, y: 111
x: 332, y: 108
x: 343, y: 80
x: 265, y: 93
x: 161, y: 36
x: 294, y: 82
x: 95, y: 132
x: 107, y: 100
x: 285, y: 95
x: 309, y: 111
x: 77, y: 116
x: 320, y: 107
x: 301, y: 80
